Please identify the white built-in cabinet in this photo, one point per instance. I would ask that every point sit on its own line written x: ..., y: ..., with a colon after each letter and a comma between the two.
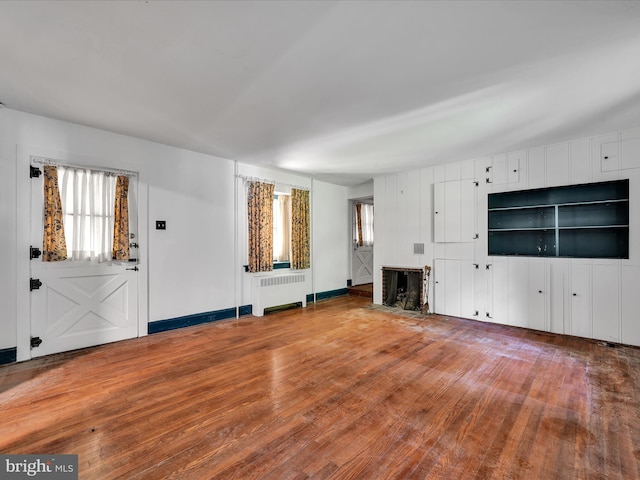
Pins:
x: 573, y: 297
x: 453, y: 287
x: 454, y: 210
x: 591, y: 298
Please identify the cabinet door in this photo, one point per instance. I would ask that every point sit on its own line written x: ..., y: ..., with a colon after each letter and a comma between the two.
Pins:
x: 452, y: 210
x: 439, y: 282
x: 467, y: 211
x: 453, y: 213
x: 581, y: 300
x: 499, y: 170
x: 498, y: 276
x: 606, y: 307
x: 630, y: 332
x: 467, y: 289
x: 517, y: 283
x: 538, y: 296
x: 605, y: 154
x: 609, y: 156
x: 480, y: 291
x: 453, y: 288
x: 516, y: 165
x: 559, y: 276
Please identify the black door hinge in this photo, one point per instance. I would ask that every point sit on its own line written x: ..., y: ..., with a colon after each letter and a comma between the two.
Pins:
x: 34, y: 252
x: 34, y: 172
x: 35, y: 284
x: 35, y: 342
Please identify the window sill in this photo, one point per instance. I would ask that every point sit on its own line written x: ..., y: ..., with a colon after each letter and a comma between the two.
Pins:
x: 276, y: 266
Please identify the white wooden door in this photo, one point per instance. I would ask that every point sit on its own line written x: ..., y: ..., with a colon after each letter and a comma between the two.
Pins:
x: 79, y: 307
x: 78, y: 304
x: 362, y: 269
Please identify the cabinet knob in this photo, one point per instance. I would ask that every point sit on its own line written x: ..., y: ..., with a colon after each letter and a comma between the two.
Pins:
x: 539, y: 291
x: 575, y: 294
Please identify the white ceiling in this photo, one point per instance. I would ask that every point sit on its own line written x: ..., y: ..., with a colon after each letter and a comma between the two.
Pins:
x: 342, y: 91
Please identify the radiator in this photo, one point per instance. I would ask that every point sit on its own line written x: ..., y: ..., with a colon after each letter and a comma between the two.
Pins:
x: 275, y: 290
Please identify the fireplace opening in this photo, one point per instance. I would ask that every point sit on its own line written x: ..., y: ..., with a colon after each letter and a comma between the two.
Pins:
x: 402, y: 288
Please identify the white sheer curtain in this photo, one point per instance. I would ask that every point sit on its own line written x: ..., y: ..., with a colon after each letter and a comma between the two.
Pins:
x: 365, y: 213
x: 87, y: 204
x: 282, y: 228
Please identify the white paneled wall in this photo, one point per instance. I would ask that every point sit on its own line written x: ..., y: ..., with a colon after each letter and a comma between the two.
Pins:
x: 591, y: 298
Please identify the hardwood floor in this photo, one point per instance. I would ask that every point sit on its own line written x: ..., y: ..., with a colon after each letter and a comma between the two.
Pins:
x: 339, y: 390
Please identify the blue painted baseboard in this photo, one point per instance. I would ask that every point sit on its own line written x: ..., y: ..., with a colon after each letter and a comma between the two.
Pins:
x: 8, y: 355
x: 328, y: 294
x: 199, y: 318
x: 196, y: 319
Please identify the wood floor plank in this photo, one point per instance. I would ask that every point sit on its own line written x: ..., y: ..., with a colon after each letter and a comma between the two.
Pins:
x: 339, y: 390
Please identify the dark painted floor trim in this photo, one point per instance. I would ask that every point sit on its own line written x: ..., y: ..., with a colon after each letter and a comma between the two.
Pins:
x: 199, y: 318
x: 328, y: 294
x: 196, y: 319
x: 8, y: 355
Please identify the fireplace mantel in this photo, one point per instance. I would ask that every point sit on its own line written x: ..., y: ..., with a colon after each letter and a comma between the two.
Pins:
x: 402, y: 269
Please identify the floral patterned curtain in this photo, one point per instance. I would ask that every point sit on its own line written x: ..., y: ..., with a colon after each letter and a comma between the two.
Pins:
x: 300, y: 230
x: 359, y: 223
x: 54, y: 245
x: 260, y: 222
x: 121, y: 220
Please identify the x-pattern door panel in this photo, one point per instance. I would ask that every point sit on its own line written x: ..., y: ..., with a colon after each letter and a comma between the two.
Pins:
x: 362, y: 265
x: 83, y: 306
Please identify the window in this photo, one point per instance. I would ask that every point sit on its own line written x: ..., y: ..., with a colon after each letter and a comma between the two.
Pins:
x: 363, y: 225
x: 88, y: 211
x: 281, y: 227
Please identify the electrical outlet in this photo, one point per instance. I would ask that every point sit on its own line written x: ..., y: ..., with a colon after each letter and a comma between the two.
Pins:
x: 161, y: 225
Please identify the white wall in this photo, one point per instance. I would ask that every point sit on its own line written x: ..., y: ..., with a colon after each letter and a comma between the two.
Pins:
x: 405, y: 215
x: 362, y: 190
x: 330, y: 236
x: 188, y: 268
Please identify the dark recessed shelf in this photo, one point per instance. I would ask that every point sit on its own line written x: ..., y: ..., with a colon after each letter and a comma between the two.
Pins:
x: 580, y: 221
